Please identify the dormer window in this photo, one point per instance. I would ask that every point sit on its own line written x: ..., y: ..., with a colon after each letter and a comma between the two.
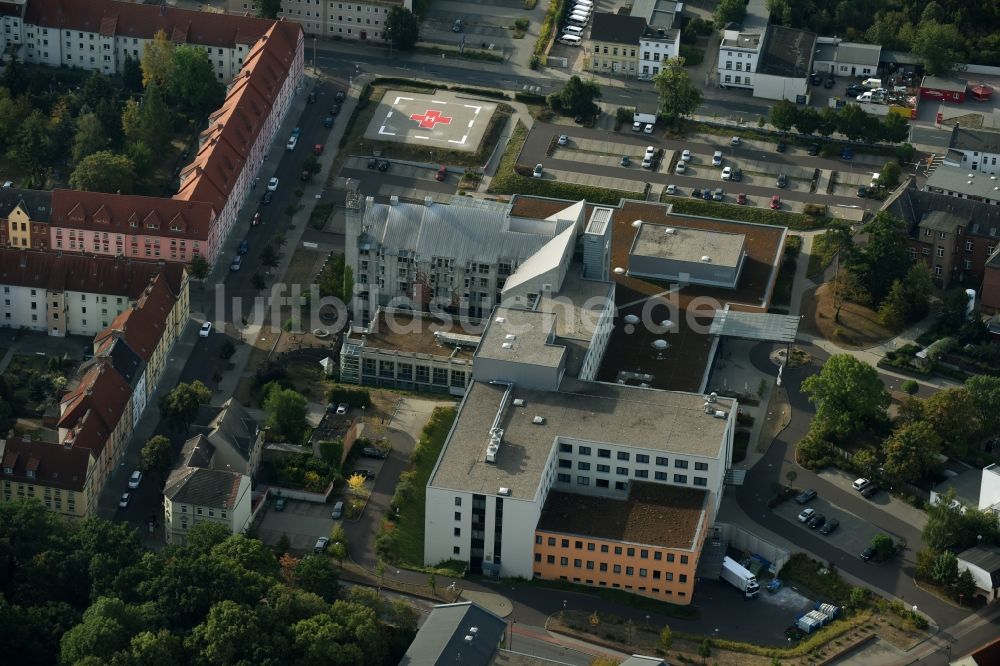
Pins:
x: 175, y: 228
x: 8, y: 470
x: 30, y: 473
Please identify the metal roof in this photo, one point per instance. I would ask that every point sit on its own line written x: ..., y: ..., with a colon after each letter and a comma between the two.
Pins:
x: 859, y: 54
x: 463, y: 633
x: 965, y: 182
x: 755, y: 326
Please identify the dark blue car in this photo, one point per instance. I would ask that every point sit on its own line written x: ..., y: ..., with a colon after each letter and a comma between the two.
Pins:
x: 847, y: 153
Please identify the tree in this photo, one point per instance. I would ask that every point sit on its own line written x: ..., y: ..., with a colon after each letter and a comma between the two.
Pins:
x: 679, y: 96
x: 851, y: 121
x: 105, y: 630
x: 404, y: 616
x: 314, y: 574
x: 576, y: 98
x: 286, y: 413
x: 784, y: 114
x: 865, y: 460
x: 911, y: 451
x: 964, y: 585
x: 891, y: 172
x: 284, y: 544
x: 859, y: 597
x: 885, y: 258
x: 104, y: 171
x: 157, y: 457
x: 848, y: 395
x: 90, y: 137
x: 729, y: 11
x: 910, y: 387
x: 945, y: 569
x: 432, y: 582
x: 257, y: 281
x: 198, y: 267
x: 268, y: 8
x: 895, y: 128
x: 952, y: 315
x: 355, y: 482
x: 918, y: 288
x: 97, y: 87
x: 883, y: 546
x: 939, y: 46
x: 155, y: 119
x: 269, y: 256
x: 332, y: 451
x: 827, y: 121
x: 62, y: 124
x: 892, y: 311
x: 132, y: 75
x: 156, y: 60
x: 180, y: 405
x: 192, y: 81
x: 401, y: 28
x: 705, y: 649
x: 312, y: 165
x: 14, y: 78
x: 807, y: 121
x: 666, y: 638
x: 952, y: 414
x: 33, y: 147
x: 984, y: 390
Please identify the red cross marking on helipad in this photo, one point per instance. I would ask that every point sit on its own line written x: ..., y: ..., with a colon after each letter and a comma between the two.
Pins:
x: 430, y: 118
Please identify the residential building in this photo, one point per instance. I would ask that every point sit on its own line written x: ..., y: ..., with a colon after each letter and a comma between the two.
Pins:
x: 983, y: 562
x: 59, y: 476
x: 460, y: 633
x: 195, y: 493
x: 990, y: 295
x: 239, y: 134
x: 11, y: 13
x: 24, y: 218
x: 614, y: 44
x: 235, y: 438
x: 99, y: 35
x: 661, y: 39
x: 984, y: 655
x: 954, y: 236
x: 454, y: 258
x: 741, y: 46
x: 963, y: 183
x: 975, y: 149
x: 784, y: 65
x: 116, y: 353
x: 533, y: 426
x: 989, y: 489
x: 850, y: 59
x: 361, y: 20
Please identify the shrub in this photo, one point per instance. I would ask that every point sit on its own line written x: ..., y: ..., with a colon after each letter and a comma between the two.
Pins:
x: 482, y: 92
x: 529, y: 98
x: 910, y: 387
x: 744, y: 213
x: 355, y: 397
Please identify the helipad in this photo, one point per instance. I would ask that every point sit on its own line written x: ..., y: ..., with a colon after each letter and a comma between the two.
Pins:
x: 442, y: 120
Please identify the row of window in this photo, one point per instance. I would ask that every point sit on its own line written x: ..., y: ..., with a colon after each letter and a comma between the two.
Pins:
x: 744, y: 80
x: 639, y: 474
x: 614, y: 568
x: 640, y: 458
x: 405, y: 372
x: 629, y: 551
x: 614, y: 51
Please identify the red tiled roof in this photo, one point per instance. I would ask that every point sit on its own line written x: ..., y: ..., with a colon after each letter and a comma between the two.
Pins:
x: 102, y: 392
x: 144, y: 21
x: 143, y: 324
x: 76, y: 272
x: 131, y: 213
x: 88, y: 433
x: 55, y: 465
x: 9, y: 9
x: 233, y: 128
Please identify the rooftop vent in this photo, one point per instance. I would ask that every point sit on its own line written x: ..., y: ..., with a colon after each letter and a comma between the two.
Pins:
x: 507, y: 345
x: 670, y: 231
x: 519, y: 402
x: 510, y: 336
x: 706, y: 259
x: 719, y: 414
x: 499, y: 320
x: 713, y: 396
x: 393, y: 200
x: 468, y: 639
x: 637, y: 224
x: 504, y: 491
x: 538, y: 420
x: 428, y: 201
x: 473, y: 630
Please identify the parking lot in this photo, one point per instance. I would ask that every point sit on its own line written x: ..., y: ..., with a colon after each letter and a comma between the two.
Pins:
x: 301, y: 522
x: 853, y: 534
x: 485, y: 24
x: 407, y: 181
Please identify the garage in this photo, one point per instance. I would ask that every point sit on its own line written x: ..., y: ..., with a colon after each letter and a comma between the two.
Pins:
x: 945, y: 90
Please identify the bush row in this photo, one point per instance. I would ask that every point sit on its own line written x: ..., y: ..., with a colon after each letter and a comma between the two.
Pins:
x: 553, y: 16
x: 746, y: 214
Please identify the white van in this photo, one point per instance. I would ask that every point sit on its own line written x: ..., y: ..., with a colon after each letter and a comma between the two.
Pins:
x: 573, y: 30
x: 577, y: 21
x: 583, y: 4
x: 580, y: 14
x: 872, y: 83
x: 569, y: 40
x: 865, y: 98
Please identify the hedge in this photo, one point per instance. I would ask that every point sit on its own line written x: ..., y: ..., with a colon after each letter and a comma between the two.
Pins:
x: 553, y: 15
x: 482, y: 92
x: 530, y: 98
x: 745, y: 214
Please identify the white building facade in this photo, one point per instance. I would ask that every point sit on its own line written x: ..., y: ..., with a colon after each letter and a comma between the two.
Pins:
x: 188, y: 499
x: 360, y: 20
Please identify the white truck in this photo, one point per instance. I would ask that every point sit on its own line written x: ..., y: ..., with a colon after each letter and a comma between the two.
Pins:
x: 645, y: 115
x: 738, y: 576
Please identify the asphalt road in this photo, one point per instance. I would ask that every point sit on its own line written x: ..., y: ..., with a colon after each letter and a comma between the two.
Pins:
x: 896, y: 576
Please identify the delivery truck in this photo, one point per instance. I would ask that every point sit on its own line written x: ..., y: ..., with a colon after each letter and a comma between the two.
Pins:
x: 738, y: 575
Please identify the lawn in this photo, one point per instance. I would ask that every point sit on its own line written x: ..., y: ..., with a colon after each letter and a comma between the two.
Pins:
x: 808, y: 573
x: 856, y: 328
x: 402, y: 541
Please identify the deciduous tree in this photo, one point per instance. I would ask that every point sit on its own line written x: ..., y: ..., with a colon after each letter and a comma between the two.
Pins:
x: 577, y: 97
x: 807, y: 121
x: 157, y: 457
x: 679, y: 96
x: 193, y: 83
x: 401, y: 28
x: 198, y: 267
x: 952, y: 414
x: 784, y: 114
x: 33, y: 147
x: 911, y: 451
x: 939, y: 45
x: 90, y: 137
x: 268, y: 8
x: 180, y: 405
x: 851, y: 121
x: 104, y: 171
x: 985, y: 393
x: 156, y: 60
x: 286, y: 413
x: 314, y: 574
x: 848, y: 395
x: 885, y: 258
x: 729, y: 11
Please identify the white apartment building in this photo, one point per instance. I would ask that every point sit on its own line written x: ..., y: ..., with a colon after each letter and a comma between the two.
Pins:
x: 974, y: 149
x: 194, y: 494
x: 362, y: 20
x: 661, y: 40
x: 100, y: 34
x: 453, y: 258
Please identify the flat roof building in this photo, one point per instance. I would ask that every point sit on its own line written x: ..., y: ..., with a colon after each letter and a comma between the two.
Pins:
x: 965, y: 184
x: 682, y: 254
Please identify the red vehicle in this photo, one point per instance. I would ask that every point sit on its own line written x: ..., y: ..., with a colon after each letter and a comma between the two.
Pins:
x: 741, y: 199
x: 256, y: 219
x: 775, y: 202
x: 318, y: 149
x: 442, y: 173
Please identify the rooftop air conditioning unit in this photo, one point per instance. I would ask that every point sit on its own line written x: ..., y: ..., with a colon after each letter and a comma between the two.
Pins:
x: 720, y: 414
x: 519, y: 402
x: 504, y: 491
x: 538, y: 420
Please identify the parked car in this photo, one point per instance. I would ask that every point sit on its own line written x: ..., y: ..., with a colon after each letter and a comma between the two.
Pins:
x: 735, y: 141
x: 338, y: 511
x: 870, y: 492
x: 780, y: 147
x: 737, y: 175
x: 847, y: 153
x: 318, y: 149
x: 867, y: 554
x: 862, y: 191
x: 272, y: 184
x: 829, y: 83
x: 861, y: 483
x: 328, y: 121
x: 741, y: 199
x: 135, y: 479
x: 268, y: 196
x: 372, y: 452
x: 372, y: 163
x: 718, y: 194
x: 255, y: 220
x: 383, y: 165
x: 854, y: 91
x: 321, y: 544
x: 806, y: 515
x: 706, y: 194
x: 296, y: 132
x: 717, y: 158
x: 335, y: 109
x: 626, y: 161
x: 205, y: 329
x: 681, y: 167
x: 696, y: 193
x: 537, y: 172
x: 442, y: 173
x: 236, y: 264
x: 305, y: 175
x: 686, y: 156
x: 727, y: 173
x: 457, y: 26
x: 637, y: 126
x: 814, y: 149
x: 279, y: 504
x: 829, y: 526
x: 342, y: 408
x: 782, y: 180
x: 806, y: 496
x: 123, y: 501
x: 244, y: 246
x: 649, y: 128
x: 292, y: 142
x: 339, y: 96
x: 815, y: 79
x: 311, y: 98
x: 817, y: 520
x: 563, y: 140
x: 671, y: 189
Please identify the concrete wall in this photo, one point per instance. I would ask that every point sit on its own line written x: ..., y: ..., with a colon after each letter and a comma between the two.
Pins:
x: 520, y: 518
x: 16, y: 309
x: 769, y: 86
x: 439, y: 523
x: 528, y: 375
x: 738, y: 537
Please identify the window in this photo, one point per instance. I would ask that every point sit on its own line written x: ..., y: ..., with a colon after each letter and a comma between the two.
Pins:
x: 601, y: 453
x: 583, y: 466
x: 657, y: 555
x: 630, y: 552
x: 967, y: 265
x: 701, y: 467
x: 604, y: 468
x: 662, y: 461
x: 550, y: 559
x: 642, y: 573
x: 458, y: 501
x: 577, y: 563
x: 641, y: 474
x: 680, y: 478
x: 618, y: 550
x: 564, y: 561
x: 565, y: 464
x: 552, y: 541
x: 629, y: 571
x: 458, y: 531
x: 619, y: 485
x: 682, y: 578
x: 590, y: 564
x: 583, y: 450
x: 601, y: 483
x: 563, y: 478
x: 583, y: 480
x: 602, y: 567
x: 458, y: 516
x: 700, y: 481
x: 684, y: 559
x: 968, y: 246
x: 621, y: 471
x: 565, y: 448
x: 617, y: 568
x: 925, y: 251
x: 681, y: 464
x: 670, y: 575
x: 661, y: 476
x: 940, y: 252
x: 623, y: 455
x: 590, y: 545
